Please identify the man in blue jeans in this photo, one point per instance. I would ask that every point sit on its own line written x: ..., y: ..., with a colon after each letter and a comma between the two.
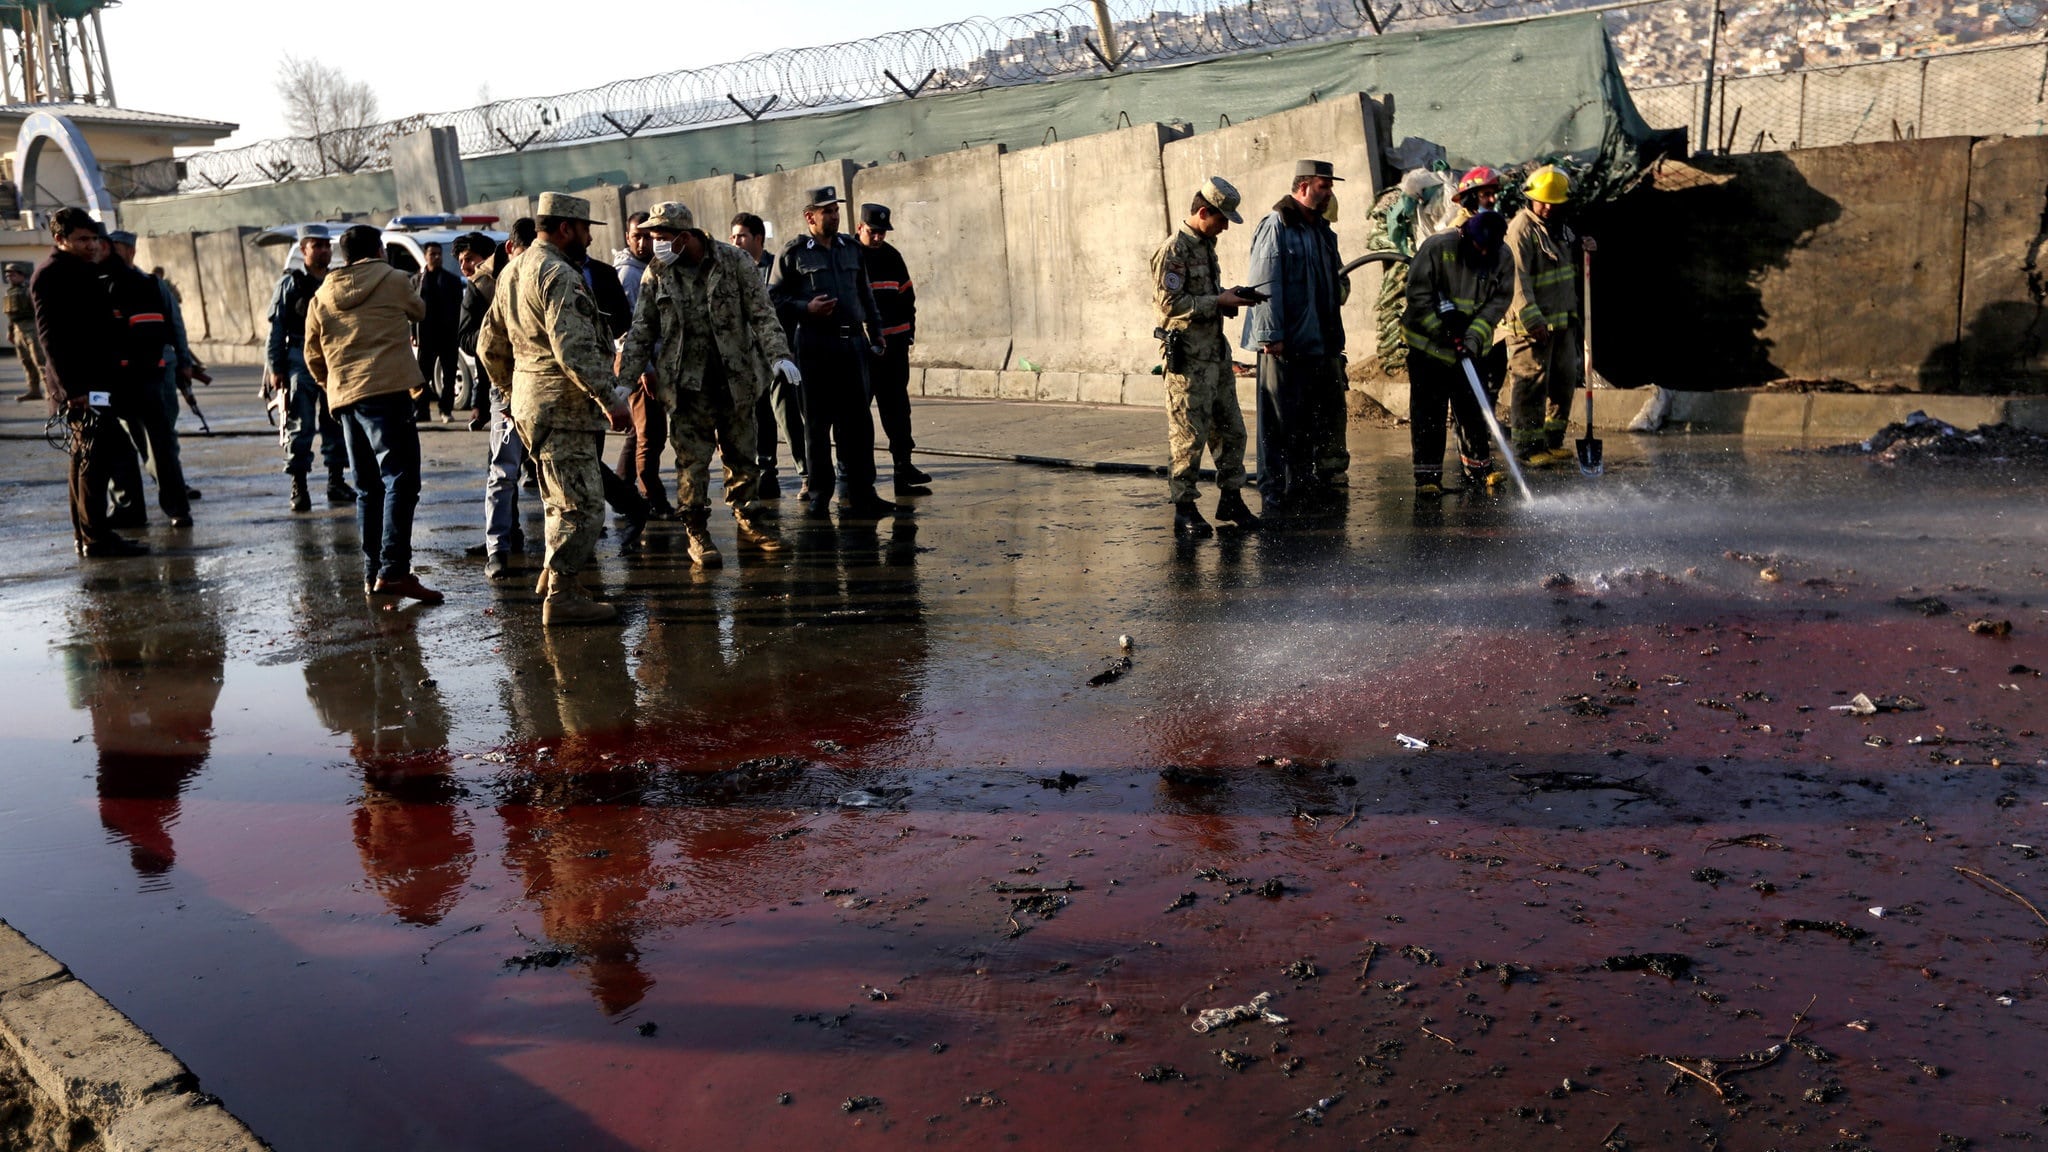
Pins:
x: 305, y: 406
x: 359, y: 350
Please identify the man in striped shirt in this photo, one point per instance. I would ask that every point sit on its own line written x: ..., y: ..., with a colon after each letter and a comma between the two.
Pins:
x: 889, y: 373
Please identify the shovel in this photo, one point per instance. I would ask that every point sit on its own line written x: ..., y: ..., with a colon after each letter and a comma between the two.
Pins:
x: 1589, y: 448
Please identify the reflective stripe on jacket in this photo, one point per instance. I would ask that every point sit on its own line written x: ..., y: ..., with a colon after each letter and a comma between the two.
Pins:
x: 1546, y: 275
x: 1447, y: 269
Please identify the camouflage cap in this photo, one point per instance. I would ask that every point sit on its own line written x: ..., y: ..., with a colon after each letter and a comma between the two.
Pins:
x: 823, y: 197
x: 563, y: 206
x: 669, y: 216
x: 1305, y: 169
x: 1220, y: 195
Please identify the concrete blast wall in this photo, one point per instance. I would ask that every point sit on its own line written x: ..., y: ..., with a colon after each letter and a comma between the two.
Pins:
x: 948, y: 212
x: 711, y: 199
x: 778, y: 198
x: 1081, y: 219
x: 224, y: 286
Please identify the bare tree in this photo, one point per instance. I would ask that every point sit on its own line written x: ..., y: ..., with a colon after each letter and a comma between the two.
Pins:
x: 323, y: 105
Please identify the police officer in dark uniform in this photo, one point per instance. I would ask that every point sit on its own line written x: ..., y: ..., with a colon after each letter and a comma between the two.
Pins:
x: 822, y: 295
x: 896, y: 302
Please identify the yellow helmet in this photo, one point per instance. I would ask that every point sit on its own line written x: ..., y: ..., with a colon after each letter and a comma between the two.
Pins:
x: 1547, y: 185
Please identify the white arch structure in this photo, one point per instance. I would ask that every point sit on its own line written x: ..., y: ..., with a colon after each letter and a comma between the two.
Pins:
x: 47, y: 185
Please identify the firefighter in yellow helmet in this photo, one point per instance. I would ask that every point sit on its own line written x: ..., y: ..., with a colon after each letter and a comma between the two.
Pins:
x: 1543, y: 319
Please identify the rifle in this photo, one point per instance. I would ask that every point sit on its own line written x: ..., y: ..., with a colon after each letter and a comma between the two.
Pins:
x: 196, y: 372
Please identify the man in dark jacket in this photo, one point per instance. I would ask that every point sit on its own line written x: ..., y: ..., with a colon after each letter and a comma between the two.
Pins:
x: 436, y: 335
x: 896, y: 300
x: 821, y: 293
x: 305, y: 405
x: 81, y: 345
x: 142, y: 309
x: 1298, y: 335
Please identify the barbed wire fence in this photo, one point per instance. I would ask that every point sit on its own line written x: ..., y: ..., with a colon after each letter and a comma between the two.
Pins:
x: 1766, y: 90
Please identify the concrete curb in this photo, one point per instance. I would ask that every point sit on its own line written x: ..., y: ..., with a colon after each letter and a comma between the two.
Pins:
x: 91, y: 1064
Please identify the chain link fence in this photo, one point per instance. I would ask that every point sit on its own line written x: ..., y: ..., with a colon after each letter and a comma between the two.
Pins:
x: 1789, y: 73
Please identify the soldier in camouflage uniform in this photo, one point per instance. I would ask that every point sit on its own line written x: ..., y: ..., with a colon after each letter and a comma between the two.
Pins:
x: 545, y: 336
x: 1201, y: 391
x: 21, y: 330
x: 703, y: 304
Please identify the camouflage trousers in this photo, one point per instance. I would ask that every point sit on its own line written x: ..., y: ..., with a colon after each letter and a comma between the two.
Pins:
x: 1543, y: 376
x: 571, y: 489
x: 30, y: 352
x: 700, y: 420
x: 1201, y: 410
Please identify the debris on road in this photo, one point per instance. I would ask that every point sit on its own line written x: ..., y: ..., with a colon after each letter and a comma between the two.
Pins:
x: 1411, y: 742
x: 1111, y: 674
x: 1837, y: 928
x: 1863, y: 704
x: 1985, y: 627
x: 1920, y: 437
x: 1670, y: 965
x: 1210, y: 1019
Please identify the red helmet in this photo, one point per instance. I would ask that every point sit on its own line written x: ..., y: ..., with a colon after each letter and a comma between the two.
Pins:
x: 1477, y: 178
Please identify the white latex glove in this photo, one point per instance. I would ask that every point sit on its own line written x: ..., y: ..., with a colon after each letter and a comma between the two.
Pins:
x: 786, y: 369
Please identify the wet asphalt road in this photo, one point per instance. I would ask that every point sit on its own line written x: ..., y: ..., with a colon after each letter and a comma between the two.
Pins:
x: 432, y: 878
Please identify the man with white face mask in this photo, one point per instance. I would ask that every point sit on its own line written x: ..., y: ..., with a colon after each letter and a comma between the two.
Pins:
x: 704, y: 315
x: 640, y: 455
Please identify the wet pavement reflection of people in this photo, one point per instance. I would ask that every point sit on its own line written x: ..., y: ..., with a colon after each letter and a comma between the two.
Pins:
x: 147, y: 661
x: 576, y: 836
x: 367, y: 679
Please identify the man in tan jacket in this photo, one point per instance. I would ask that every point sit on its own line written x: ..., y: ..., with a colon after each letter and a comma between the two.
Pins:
x: 359, y: 350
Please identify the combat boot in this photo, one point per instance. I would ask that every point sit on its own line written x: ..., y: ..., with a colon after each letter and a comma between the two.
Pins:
x: 910, y: 480
x: 302, y: 500
x: 769, y: 487
x: 568, y: 603
x: 1231, y: 506
x: 868, y: 505
x: 338, y: 491
x: 755, y: 533
x: 1187, y: 521
x: 703, y: 553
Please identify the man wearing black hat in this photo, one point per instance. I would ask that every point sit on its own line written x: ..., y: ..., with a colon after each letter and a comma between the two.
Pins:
x: 896, y: 302
x: 821, y: 293
x: 1298, y: 335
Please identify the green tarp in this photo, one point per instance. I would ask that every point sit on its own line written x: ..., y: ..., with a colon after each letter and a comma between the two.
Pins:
x: 1496, y: 94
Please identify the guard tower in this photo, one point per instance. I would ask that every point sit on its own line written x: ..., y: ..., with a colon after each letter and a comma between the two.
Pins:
x: 54, y: 52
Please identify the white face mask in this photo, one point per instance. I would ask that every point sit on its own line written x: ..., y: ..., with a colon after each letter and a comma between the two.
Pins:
x: 664, y: 252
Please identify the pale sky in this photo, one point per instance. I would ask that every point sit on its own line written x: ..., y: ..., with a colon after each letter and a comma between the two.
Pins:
x: 216, y: 59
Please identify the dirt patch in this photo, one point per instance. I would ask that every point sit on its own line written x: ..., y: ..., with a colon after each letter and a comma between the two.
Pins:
x: 30, y: 1122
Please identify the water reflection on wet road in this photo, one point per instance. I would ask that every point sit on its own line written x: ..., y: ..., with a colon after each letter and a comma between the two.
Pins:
x: 434, y: 878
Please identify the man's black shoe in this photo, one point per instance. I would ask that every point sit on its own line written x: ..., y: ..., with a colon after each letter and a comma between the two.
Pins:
x: 113, y: 548
x: 1231, y: 506
x: 908, y: 473
x: 1187, y: 521
x: 191, y: 494
x: 868, y: 506
x: 905, y: 486
x: 302, y: 501
x: 338, y: 491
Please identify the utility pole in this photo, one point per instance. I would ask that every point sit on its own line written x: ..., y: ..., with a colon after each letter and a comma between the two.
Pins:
x: 1707, y: 89
x: 1107, y: 31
